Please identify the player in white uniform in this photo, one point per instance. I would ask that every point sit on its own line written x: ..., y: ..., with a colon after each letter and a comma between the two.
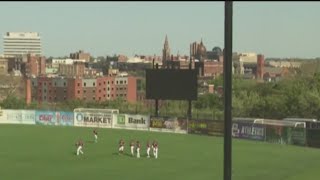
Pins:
x: 132, y: 148
x: 148, y: 149
x: 138, y: 149
x: 155, y: 145
x: 95, y: 132
x: 121, y: 146
x: 79, y: 145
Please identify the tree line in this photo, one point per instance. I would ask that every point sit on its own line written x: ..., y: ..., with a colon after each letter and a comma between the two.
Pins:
x: 297, y: 96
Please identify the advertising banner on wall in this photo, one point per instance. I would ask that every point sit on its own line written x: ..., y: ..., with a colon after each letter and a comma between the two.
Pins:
x: 17, y: 116
x: 93, y: 119
x: 168, y: 124
x: 64, y: 118
x: 137, y: 121
x: 46, y: 118
x: 246, y: 130
x: 313, y: 134
x: 131, y: 121
x: 198, y: 127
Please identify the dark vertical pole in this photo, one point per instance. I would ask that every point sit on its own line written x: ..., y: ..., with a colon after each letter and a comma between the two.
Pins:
x: 227, y: 73
x: 189, y: 101
x: 189, y: 109
x: 157, y: 108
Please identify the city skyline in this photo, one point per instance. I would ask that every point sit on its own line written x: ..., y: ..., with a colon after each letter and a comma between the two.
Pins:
x: 107, y: 28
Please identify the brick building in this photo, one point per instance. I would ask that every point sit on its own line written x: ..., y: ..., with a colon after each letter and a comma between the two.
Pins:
x: 55, y: 89
x: 35, y: 65
x: 80, y: 55
x: 76, y: 69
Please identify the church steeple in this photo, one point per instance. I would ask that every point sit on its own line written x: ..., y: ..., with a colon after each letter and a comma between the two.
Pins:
x: 166, y: 43
x: 165, y: 51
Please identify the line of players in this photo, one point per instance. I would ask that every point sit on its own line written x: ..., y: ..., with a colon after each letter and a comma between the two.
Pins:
x: 137, y: 145
x: 154, y: 146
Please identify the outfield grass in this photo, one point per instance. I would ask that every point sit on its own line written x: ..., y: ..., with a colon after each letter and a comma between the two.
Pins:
x: 48, y: 152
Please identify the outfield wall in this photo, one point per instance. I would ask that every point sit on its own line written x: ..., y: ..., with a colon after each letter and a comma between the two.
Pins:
x: 276, y: 131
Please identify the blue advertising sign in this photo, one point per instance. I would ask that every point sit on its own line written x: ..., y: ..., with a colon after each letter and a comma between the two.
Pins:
x: 248, y: 131
x: 64, y: 118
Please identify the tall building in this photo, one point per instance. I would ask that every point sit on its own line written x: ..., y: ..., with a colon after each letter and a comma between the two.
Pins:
x: 21, y: 43
x: 80, y: 55
x: 35, y: 65
x: 165, y: 52
x: 198, y: 51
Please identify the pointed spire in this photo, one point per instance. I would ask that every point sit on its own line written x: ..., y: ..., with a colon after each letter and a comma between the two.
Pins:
x: 166, y: 43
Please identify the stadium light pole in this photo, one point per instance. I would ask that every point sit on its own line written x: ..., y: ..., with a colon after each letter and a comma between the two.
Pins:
x: 227, y: 95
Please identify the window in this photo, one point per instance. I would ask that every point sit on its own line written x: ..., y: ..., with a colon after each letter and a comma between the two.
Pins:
x: 55, y: 84
x: 40, y: 83
x: 99, y: 84
x: 94, y: 84
x: 117, y: 89
x: 50, y: 98
x: 124, y: 95
x: 49, y: 91
x: 108, y: 89
x: 108, y: 82
x: 50, y: 84
x: 93, y: 91
x: 84, y: 91
x: 108, y: 95
x: 94, y: 98
x: 104, y: 95
x: 121, y: 82
x: 84, y: 98
x: 64, y: 90
x: 64, y: 98
x: 78, y: 91
x: 44, y: 90
x: 99, y: 98
x: 78, y: 84
x: 45, y: 84
x: 45, y: 97
x: 39, y: 90
x: 112, y: 95
x: 64, y: 84
x: 117, y: 82
x: 99, y: 91
x: 111, y: 82
x: 111, y: 89
x: 104, y: 82
x: 55, y: 98
x: 104, y: 89
x: 84, y: 84
x: 32, y: 83
x: 125, y: 82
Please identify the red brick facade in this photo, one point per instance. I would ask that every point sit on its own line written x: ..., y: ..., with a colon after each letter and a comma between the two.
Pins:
x: 47, y: 89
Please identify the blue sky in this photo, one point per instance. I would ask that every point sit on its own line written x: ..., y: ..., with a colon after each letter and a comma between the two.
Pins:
x: 276, y: 29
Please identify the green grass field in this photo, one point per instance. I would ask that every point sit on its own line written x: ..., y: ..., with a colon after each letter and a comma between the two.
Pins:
x: 47, y: 152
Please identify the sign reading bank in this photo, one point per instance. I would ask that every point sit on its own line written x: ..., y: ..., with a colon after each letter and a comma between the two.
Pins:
x: 137, y: 121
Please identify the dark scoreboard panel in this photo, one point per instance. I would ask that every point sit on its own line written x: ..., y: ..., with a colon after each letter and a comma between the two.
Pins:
x: 171, y: 84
